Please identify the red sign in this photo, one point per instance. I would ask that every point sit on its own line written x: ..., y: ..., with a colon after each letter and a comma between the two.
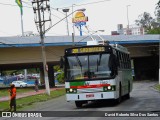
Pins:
x: 89, y: 95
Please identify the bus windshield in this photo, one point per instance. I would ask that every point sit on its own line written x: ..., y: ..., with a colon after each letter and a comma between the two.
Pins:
x: 88, y: 67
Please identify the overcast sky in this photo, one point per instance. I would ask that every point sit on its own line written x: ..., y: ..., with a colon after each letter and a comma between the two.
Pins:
x: 102, y: 14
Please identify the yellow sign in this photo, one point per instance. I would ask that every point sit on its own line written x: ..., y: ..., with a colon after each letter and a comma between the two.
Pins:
x: 87, y: 50
x: 79, y: 17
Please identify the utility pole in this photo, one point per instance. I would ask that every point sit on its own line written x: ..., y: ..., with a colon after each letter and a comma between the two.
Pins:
x: 65, y: 11
x: 73, y: 33
x: 128, y: 20
x: 42, y: 13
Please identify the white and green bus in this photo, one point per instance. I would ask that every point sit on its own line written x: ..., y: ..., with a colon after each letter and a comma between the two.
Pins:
x: 97, y: 72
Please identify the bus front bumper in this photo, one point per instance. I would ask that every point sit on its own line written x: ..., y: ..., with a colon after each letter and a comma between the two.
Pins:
x: 91, y: 96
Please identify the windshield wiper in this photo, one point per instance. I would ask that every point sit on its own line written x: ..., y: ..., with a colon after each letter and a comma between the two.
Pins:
x: 79, y: 62
x: 99, y: 61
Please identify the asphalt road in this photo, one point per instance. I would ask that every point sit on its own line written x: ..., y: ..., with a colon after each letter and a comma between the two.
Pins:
x: 143, y: 98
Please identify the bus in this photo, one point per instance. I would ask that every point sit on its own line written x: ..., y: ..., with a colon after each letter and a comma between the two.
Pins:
x: 97, y: 72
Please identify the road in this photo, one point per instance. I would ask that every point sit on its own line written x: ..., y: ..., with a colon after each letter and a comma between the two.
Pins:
x: 143, y: 98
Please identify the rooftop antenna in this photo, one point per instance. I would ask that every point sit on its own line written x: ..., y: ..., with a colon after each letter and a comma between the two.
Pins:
x: 103, y: 40
x: 94, y: 41
x: 89, y: 33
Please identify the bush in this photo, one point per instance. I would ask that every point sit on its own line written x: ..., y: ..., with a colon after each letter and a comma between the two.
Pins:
x: 60, y: 77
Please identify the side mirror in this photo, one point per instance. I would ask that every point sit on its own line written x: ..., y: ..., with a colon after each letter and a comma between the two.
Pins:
x: 61, y: 62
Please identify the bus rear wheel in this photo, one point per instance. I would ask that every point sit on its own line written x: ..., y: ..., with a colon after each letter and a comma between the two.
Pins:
x: 79, y: 104
x: 128, y: 95
x: 120, y: 95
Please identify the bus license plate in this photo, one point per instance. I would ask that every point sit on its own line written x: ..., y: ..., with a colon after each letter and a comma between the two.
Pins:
x: 89, y: 95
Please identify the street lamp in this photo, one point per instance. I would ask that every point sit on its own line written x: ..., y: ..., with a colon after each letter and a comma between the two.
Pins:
x: 66, y: 10
x: 73, y: 33
x: 128, y: 19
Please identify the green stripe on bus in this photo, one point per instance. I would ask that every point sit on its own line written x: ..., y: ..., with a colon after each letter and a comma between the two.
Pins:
x: 79, y: 83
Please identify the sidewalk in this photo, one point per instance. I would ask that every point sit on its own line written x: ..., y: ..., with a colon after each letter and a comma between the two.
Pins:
x: 21, y: 95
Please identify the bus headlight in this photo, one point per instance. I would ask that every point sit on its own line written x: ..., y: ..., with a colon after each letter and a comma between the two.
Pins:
x: 105, y: 88
x: 109, y: 87
x: 113, y: 88
x: 67, y: 91
x: 71, y: 90
x: 74, y: 91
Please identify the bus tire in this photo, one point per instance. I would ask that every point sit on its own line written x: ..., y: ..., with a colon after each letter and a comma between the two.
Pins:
x: 128, y: 94
x: 120, y: 94
x: 79, y: 104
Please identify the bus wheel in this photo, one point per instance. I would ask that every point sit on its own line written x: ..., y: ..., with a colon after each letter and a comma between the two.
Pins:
x: 128, y: 95
x: 120, y: 94
x: 79, y: 104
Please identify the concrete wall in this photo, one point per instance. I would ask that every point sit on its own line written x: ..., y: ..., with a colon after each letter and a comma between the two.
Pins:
x: 29, y: 54
x: 33, y: 54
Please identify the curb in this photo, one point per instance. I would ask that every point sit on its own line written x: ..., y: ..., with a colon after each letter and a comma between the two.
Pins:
x: 31, y: 93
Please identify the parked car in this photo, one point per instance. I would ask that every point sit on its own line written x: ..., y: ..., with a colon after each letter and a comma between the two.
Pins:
x: 19, y: 84
x: 20, y: 76
x: 56, y: 74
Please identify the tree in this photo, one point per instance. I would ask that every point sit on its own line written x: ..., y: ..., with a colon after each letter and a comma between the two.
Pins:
x: 56, y: 68
x: 156, y: 23
x: 60, y: 77
x: 154, y: 31
x: 145, y: 20
x: 157, y: 11
x: 150, y: 25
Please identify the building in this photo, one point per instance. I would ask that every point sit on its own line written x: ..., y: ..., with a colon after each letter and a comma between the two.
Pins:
x: 131, y: 30
x: 114, y: 33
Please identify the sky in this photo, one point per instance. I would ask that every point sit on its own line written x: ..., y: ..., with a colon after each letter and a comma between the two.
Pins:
x: 102, y: 15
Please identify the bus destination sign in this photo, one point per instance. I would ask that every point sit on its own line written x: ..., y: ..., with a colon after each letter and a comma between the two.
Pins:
x: 88, y: 49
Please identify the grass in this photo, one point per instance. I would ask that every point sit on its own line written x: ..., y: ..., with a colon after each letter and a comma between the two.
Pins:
x: 157, y: 87
x: 27, y: 101
x: 4, y: 92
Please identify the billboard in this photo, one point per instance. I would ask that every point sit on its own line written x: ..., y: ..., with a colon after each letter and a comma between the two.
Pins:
x: 79, y: 20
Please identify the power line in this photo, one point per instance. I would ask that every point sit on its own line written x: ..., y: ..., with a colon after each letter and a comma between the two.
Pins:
x: 56, y: 9
x: 85, y: 4
x: 93, y: 2
x: 13, y: 5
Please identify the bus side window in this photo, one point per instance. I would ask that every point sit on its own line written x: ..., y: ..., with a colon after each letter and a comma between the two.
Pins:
x: 122, y: 60
x: 113, y: 64
x: 124, y: 55
x: 118, y: 58
x: 128, y: 61
x: 125, y: 60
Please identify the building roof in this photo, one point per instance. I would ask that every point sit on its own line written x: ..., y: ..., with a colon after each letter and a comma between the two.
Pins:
x: 34, y: 41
